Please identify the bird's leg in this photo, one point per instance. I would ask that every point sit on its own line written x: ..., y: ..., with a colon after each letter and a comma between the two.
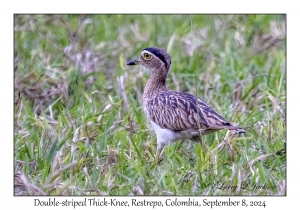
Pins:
x: 157, y: 160
x: 158, y: 152
x: 160, y: 147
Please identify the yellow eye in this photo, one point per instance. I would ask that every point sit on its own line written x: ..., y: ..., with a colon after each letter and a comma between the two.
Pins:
x: 147, y: 56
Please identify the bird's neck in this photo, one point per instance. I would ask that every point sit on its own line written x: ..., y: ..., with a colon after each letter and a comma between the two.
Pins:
x: 156, y: 83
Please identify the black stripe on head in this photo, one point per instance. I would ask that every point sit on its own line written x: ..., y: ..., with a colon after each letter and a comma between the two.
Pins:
x: 158, y: 53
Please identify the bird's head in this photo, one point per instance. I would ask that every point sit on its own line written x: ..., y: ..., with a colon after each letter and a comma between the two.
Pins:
x: 153, y: 58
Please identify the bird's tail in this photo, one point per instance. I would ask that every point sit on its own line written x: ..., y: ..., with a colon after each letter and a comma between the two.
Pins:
x: 237, y: 128
x: 240, y: 130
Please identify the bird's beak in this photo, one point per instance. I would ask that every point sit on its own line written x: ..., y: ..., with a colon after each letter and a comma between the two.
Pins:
x: 133, y: 62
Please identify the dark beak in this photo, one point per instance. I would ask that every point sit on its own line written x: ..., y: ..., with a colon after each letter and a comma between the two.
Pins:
x: 132, y: 62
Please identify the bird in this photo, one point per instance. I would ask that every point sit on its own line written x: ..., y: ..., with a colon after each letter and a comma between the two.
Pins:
x: 175, y: 115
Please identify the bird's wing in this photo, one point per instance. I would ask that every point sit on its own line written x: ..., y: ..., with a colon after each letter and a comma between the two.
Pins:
x: 183, y: 111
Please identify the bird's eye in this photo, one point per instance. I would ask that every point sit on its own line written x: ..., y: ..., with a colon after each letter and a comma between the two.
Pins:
x: 147, y: 56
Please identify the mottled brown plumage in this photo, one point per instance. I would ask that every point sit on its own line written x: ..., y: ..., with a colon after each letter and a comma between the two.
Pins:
x: 182, y: 111
x: 175, y: 115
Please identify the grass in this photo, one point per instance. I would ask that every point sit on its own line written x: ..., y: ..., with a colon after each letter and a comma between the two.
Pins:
x: 79, y: 128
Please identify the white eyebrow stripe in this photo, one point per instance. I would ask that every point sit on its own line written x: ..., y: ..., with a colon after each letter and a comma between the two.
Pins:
x: 145, y: 51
